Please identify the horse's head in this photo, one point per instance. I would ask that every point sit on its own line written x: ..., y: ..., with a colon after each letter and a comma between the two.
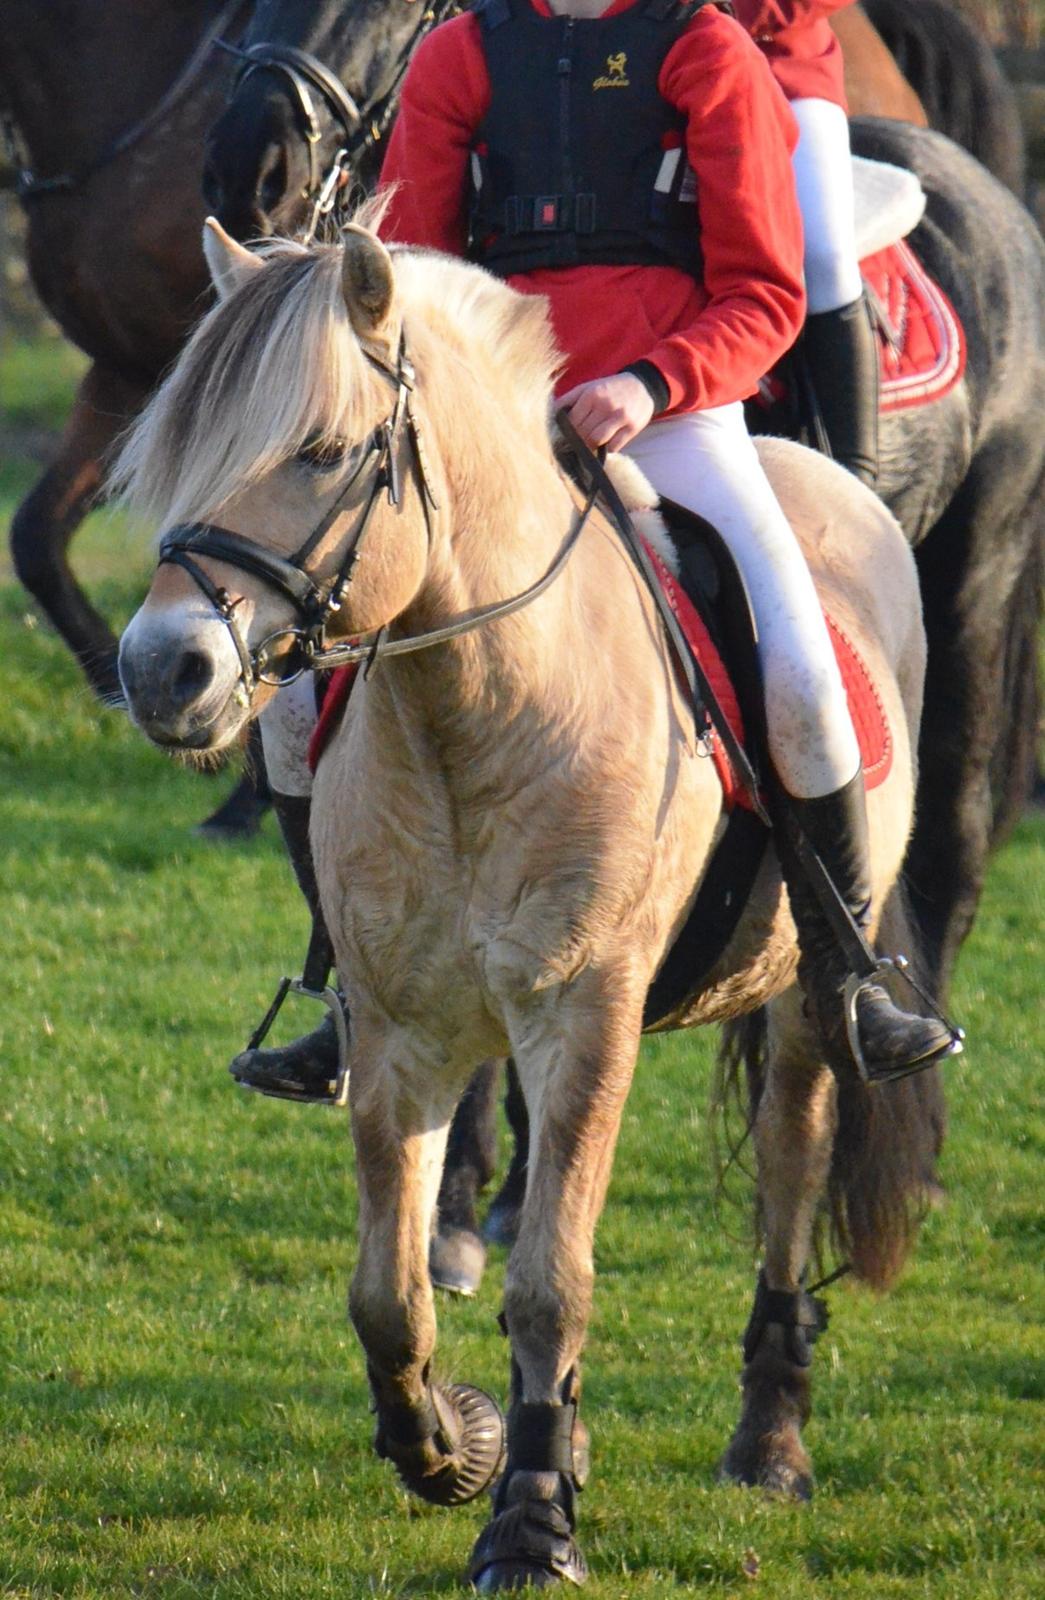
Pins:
x: 278, y: 453
x: 318, y: 77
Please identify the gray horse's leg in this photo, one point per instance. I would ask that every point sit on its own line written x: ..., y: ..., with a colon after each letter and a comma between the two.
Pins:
x: 458, y: 1255
x: 793, y: 1134
x: 445, y: 1443
x: 575, y: 1081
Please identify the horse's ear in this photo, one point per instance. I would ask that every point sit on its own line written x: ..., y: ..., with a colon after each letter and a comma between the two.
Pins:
x: 367, y: 280
x: 229, y: 264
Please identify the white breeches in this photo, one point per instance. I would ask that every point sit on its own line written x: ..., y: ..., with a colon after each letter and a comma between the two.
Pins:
x: 707, y: 462
x: 824, y: 180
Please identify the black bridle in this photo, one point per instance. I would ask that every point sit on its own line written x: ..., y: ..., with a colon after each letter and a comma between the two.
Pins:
x: 311, y: 85
x: 284, y: 655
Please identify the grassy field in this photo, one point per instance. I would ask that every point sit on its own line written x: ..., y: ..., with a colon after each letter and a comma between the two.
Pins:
x: 184, y: 1409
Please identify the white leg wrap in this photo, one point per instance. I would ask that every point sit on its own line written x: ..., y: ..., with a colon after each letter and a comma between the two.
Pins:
x: 824, y: 179
x: 286, y: 726
x: 707, y: 462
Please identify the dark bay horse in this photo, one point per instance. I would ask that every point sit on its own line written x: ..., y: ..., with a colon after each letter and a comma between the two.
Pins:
x: 509, y: 821
x: 108, y: 105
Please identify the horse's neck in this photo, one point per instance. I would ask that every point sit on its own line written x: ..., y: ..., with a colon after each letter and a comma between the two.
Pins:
x: 74, y: 74
x: 487, y: 708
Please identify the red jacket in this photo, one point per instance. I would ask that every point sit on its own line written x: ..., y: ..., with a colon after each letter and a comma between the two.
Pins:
x: 710, y: 341
x: 803, y: 54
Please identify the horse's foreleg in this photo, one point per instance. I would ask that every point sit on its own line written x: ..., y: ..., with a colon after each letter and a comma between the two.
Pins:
x: 793, y: 1135
x: 446, y: 1443
x: 48, y: 517
x: 575, y: 1087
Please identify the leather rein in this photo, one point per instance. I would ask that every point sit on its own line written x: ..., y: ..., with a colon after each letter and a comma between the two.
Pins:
x: 315, y: 599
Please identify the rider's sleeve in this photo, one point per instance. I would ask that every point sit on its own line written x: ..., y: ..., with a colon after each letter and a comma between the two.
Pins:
x: 765, y: 18
x: 739, y: 138
x: 446, y: 94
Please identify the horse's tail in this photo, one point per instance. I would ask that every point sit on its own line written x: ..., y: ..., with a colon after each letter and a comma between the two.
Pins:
x: 883, y: 1165
x: 951, y: 67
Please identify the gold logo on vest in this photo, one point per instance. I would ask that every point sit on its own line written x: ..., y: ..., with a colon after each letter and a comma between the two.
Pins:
x: 616, y: 76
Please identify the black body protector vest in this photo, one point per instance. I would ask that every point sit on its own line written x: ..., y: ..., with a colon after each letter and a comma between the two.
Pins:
x: 580, y: 159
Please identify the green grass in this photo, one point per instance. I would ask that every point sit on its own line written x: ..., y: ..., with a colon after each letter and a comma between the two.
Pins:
x: 183, y: 1407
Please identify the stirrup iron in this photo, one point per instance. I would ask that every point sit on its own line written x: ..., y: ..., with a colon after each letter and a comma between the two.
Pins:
x: 886, y: 970
x: 329, y: 997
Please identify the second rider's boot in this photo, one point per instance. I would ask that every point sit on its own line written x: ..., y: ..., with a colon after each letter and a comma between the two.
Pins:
x: 841, y: 354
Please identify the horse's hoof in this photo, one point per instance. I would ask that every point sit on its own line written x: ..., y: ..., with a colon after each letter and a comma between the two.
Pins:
x: 775, y: 1474
x: 456, y: 1260
x: 502, y: 1222
x: 530, y: 1544
x: 515, y: 1575
x: 461, y: 1461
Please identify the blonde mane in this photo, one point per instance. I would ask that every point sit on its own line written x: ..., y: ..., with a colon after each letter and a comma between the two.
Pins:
x: 278, y: 364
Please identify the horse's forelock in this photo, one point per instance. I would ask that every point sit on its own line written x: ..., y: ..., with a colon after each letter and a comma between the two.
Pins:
x: 272, y: 366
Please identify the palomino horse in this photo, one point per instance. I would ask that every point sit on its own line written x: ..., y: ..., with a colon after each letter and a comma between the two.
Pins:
x: 511, y: 820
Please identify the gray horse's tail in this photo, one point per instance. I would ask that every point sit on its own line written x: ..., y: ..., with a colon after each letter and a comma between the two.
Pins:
x: 883, y: 1166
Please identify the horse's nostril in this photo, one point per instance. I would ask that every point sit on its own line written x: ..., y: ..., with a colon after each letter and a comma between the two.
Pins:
x: 193, y: 675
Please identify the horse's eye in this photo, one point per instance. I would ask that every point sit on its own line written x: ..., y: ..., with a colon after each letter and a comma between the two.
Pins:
x: 321, y: 453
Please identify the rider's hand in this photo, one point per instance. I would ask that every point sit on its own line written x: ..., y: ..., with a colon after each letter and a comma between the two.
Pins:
x: 609, y: 411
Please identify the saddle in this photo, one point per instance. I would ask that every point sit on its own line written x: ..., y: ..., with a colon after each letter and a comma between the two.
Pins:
x: 708, y: 595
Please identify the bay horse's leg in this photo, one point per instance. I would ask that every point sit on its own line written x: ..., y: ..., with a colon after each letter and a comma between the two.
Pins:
x: 445, y: 1443
x: 458, y: 1256
x: 49, y: 516
x: 575, y: 1080
x: 793, y: 1135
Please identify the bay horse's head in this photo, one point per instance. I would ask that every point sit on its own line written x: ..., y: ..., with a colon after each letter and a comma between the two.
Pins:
x: 282, y: 439
x: 317, y: 78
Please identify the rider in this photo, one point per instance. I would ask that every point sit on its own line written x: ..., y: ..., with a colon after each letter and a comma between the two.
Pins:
x: 631, y: 162
x: 839, y: 344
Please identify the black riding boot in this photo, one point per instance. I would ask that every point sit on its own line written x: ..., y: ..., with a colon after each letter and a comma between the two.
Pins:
x: 893, y: 1042
x: 307, y: 1068
x: 841, y: 353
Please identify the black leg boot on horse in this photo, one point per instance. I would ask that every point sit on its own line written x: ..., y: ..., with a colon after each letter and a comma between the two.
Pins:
x: 840, y: 349
x: 306, y: 1069
x: 857, y: 1017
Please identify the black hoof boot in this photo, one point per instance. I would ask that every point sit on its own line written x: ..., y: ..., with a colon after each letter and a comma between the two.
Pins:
x: 452, y: 1451
x: 530, y: 1542
x: 305, y: 1070
x: 456, y: 1258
